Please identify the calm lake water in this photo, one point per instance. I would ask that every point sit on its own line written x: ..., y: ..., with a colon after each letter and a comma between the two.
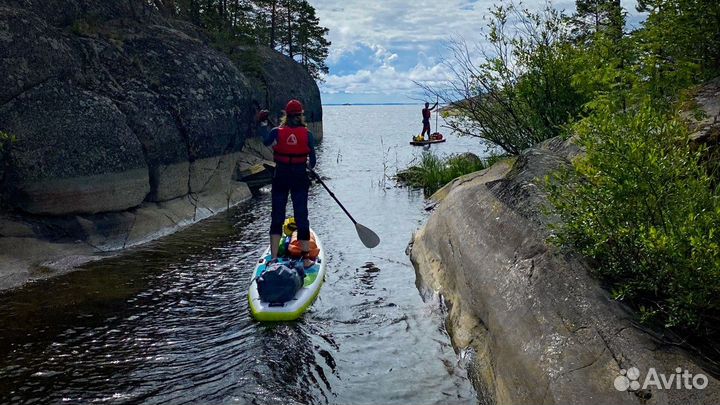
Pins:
x: 169, y: 322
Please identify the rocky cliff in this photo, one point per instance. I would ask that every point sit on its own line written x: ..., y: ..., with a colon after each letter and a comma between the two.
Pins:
x: 118, y: 113
x: 542, y: 329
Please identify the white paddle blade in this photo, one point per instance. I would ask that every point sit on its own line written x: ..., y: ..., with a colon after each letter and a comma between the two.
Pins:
x: 367, y: 236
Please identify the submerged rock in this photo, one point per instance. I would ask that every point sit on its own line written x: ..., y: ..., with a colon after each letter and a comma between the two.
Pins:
x: 543, y: 329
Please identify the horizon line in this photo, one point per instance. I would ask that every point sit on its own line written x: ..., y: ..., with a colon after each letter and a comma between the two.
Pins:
x: 361, y: 104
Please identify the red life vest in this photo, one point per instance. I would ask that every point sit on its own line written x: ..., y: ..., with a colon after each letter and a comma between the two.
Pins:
x: 426, y: 114
x: 292, y: 147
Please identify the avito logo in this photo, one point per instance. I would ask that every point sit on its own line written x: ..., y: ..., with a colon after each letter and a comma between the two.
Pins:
x: 629, y: 380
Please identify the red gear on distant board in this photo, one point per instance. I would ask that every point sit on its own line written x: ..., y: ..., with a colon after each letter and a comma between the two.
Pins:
x: 294, y: 107
x: 292, y: 147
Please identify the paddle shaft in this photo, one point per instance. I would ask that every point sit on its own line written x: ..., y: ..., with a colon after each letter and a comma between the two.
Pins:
x: 437, y: 111
x: 333, y: 196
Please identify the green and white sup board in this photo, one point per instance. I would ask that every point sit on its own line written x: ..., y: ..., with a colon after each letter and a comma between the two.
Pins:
x: 293, y: 309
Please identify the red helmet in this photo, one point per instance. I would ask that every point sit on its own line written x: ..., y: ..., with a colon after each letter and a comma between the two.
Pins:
x: 294, y: 107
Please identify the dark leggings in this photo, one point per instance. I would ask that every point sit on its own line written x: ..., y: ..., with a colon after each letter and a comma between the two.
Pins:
x: 426, y: 128
x: 291, y: 179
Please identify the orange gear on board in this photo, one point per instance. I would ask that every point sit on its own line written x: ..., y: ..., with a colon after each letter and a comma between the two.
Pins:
x: 295, y: 250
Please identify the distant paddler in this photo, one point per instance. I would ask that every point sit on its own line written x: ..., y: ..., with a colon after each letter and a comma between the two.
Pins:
x: 426, y: 114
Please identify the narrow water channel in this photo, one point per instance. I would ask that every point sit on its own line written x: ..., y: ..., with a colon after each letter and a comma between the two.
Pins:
x: 168, y: 322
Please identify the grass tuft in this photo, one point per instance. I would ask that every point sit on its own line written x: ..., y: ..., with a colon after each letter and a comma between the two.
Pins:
x: 433, y: 172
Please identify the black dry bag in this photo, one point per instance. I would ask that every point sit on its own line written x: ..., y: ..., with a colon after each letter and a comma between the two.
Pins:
x: 279, y: 283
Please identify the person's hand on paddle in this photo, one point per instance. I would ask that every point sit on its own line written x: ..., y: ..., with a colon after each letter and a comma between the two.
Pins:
x: 311, y: 173
x: 262, y: 117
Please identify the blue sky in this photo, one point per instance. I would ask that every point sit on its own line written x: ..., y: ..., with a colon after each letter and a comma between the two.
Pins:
x: 379, y: 47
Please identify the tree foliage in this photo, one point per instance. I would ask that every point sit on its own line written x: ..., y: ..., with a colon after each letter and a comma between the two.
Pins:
x: 288, y: 26
x: 517, y: 91
x: 642, y: 203
x: 598, y: 16
x: 683, y: 32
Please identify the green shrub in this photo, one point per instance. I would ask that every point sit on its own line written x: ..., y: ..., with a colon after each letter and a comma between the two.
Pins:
x: 680, y: 35
x: 642, y: 207
x: 433, y: 172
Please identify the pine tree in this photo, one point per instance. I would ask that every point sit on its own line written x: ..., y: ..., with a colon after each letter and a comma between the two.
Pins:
x: 598, y: 16
x: 684, y: 31
x: 288, y: 26
x: 268, y: 17
x: 311, y: 42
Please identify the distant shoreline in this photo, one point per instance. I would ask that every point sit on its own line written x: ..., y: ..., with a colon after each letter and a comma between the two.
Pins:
x: 365, y: 104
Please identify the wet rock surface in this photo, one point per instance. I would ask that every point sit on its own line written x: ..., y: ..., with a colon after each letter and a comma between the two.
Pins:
x: 544, y: 331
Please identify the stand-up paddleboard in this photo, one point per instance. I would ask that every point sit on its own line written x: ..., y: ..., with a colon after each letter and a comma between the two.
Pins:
x: 422, y: 143
x: 291, y: 310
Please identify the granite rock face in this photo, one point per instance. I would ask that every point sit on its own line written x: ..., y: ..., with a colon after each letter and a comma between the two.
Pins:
x: 112, y: 105
x: 544, y: 331
x: 126, y: 126
x: 295, y: 83
x: 706, y: 129
x: 74, y: 152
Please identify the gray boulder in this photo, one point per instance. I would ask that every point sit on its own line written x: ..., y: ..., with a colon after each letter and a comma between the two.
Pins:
x: 74, y: 152
x: 128, y: 126
x: 51, y: 55
x: 71, y: 13
x: 706, y: 126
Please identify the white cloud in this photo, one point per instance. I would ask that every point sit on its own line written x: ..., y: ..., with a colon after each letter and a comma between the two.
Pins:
x: 398, y: 31
x: 380, y: 23
x: 385, y: 80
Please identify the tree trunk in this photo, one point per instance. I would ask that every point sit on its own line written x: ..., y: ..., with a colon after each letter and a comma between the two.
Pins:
x: 236, y: 12
x: 289, y: 34
x: 272, y: 24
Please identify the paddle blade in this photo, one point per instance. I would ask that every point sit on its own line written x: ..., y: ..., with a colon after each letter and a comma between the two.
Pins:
x: 367, y: 236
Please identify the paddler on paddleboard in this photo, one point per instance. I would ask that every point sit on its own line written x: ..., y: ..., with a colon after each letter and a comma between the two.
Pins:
x: 426, y: 114
x: 293, y: 148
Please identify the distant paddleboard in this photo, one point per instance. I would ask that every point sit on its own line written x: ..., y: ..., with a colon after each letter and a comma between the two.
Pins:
x: 435, y: 137
x: 423, y: 143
